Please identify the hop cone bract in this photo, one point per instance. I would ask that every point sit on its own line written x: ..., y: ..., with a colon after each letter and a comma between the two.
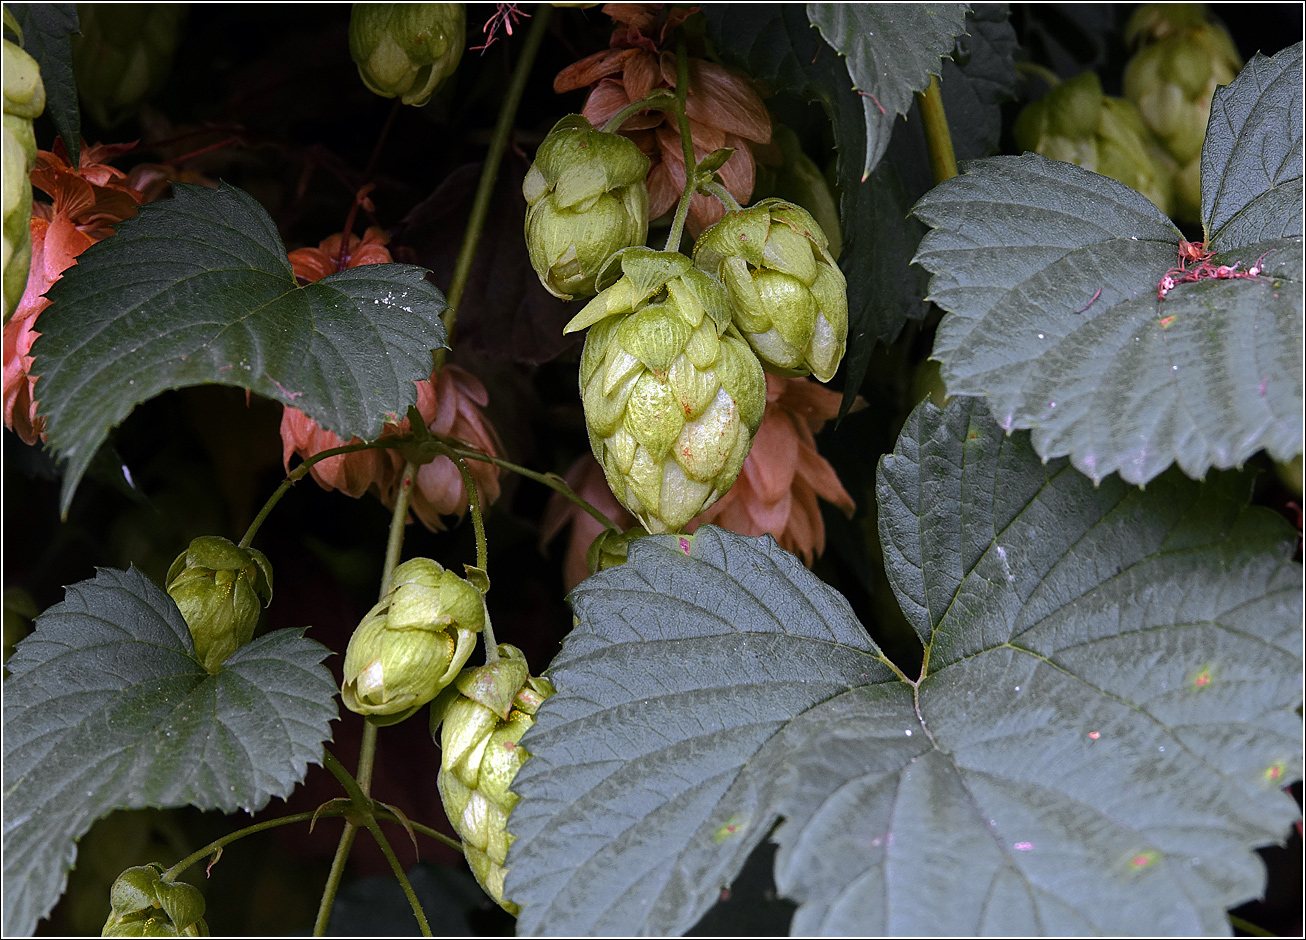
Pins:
x: 219, y: 588
x: 483, y: 720
x: 123, y: 55
x: 24, y: 101
x: 405, y: 50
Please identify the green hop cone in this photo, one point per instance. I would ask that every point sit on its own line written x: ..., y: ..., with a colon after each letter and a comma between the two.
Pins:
x: 1076, y: 123
x: 406, y: 50
x: 142, y: 904
x: 1172, y: 79
x: 24, y: 101
x: 586, y: 199
x: 787, y: 296
x: 124, y: 55
x: 799, y: 180
x: 672, y: 393
x: 610, y: 548
x: 481, y: 718
x: 219, y: 588
x: 411, y: 644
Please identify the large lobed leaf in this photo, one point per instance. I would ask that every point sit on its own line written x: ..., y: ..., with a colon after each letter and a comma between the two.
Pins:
x: 197, y: 289
x: 1099, y: 736
x: 48, y: 29
x: 1049, y: 275
x: 106, y: 708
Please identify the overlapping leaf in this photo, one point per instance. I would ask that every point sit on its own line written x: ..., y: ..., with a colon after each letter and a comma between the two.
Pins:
x: 1050, y: 276
x: 106, y: 708
x: 48, y: 29
x: 1100, y: 735
x: 197, y: 289
x: 890, y: 50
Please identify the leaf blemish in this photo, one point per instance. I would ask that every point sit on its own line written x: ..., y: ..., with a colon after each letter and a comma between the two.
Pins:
x: 1023, y: 846
x: 1143, y: 859
x: 1094, y: 735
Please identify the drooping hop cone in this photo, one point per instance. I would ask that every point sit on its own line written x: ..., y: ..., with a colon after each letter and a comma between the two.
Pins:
x: 124, y: 55
x: 24, y: 101
x: 787, y: 296
x: 412, y: 643
x: 142, y: 904
x: 1076, y: 123
x: 481, y: 719
x: 586, y: 199
x: 672, y: 393
x: 219, y: 588
x: 406, y: 50
x: 1171, y: 79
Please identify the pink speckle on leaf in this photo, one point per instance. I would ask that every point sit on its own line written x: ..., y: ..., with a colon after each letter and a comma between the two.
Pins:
x: 1024, y: 846
x: 1094, y: 735
x: 684, y: 545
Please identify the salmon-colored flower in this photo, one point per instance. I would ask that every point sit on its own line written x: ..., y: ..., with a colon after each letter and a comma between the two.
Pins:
x: 776, y: 491
x: 88, y: 202
x: 449, y: 402
x: 723, y: 108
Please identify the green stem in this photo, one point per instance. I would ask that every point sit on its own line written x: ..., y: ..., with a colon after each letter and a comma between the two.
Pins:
x: 363, y: 806
x: 298, y: 474
x: 474, y: 507
x: 333, y: 879
x: 498, y: 143
x: 398, y: 520
x: 716, y: 189
x: 943, y: 161
x: 659, y: 98
x: 1034, y: 70
x: 551, y: 480
x: 1247, y: 926
x: 686, y: 143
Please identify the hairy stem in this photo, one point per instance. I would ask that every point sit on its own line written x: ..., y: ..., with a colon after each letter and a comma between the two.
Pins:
x: 660, y: 98
x: 490, y: 171
x: 716, y: 189
x: 943, y: 161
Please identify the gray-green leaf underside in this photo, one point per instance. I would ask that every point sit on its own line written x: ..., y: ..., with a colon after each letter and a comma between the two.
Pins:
x: 106, y: 708
x: 1050, y: 277
x: 1099, y: 739
x: 197, y: 289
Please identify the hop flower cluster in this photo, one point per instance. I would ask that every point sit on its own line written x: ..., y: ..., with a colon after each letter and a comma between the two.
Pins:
x: 450, y: 403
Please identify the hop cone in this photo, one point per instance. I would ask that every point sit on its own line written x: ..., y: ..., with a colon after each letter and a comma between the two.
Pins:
x: 24, y: 101
x: 787, y: 296
x: 411, y: 644
x: 1172, y: 79
x: 672, y: 393
x: 142, y: 904
x: 1076, y: 123
x: 123, y: 55
x: 219, y: 588
x: 405, y: 50
x: 587, y: 199
x: 484, y: 715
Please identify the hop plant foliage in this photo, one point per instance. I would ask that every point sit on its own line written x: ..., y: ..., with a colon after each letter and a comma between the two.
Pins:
x: 672, y: 393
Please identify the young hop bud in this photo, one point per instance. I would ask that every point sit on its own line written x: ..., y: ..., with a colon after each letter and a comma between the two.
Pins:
x: 1076, y: 123
x: 24, y: 101
x: 489, y: 710
x: 219, y: 588
x: 144, y: 905
x: 1172, y: 79
x: 587, y: 199
x: 124, y: 55
x: 411, y: 644
x: 672, y: 393
x: 406, y: 50
x: 788, y: 297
